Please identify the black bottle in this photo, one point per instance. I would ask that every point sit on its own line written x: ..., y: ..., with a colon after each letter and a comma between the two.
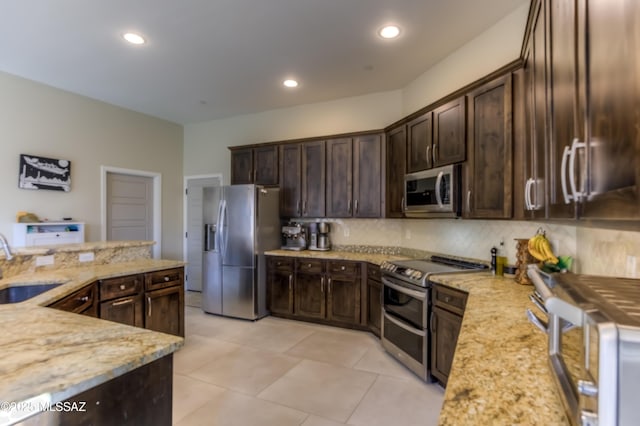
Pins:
x: 494, y: 260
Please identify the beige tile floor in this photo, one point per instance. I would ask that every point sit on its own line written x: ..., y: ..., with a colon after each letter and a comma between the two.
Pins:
x: 280, y: 372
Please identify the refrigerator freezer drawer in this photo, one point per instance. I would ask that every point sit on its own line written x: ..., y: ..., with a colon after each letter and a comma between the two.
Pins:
x: 239, y: 295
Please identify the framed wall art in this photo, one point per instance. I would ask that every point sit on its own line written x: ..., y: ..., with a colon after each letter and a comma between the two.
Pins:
x: 44, y: 173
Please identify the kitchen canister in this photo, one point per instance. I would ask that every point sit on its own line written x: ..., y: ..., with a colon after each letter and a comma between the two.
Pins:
x: 523, y: 258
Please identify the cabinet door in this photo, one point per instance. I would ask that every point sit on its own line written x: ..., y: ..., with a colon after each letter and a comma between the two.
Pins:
x: 165, y: 310
x: 126, y: 310
x: 265, y: 167
x: 396, y: 164
x: 309, y: 291
x: 343, y: 299
x: 340, y: 177
x: 313, y: 179
x: 445, y: 328
x: 609, y: 72
x: 280, y: 291
x: 489, y: 178
x: 83, y: 301
x: 367, y: 176
x: 562, y: 93
x: 449, y: 138
x: 420, y: 143
x: 374, y: 305
x: 241, y: 166
x: 290, y: 181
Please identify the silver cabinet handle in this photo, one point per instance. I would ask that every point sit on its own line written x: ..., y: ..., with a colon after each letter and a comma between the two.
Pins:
x: 84, y: 299
x: 563, y: 174
x: 527, y: 194
x: 255, y: 175
x: 402, y: 204
x: 304, y: 208
x: 122, y: 302
x: 149, y: 304
x: 290, y: 282
x: 428, y: 153
x: 432, y: 323
x: 321, y: 284
x: 356, y: 203
x: 435, y: 153
x: 575, y: 145
x: 469, y: 200
x: 329, y: 286
x: 167, y: 279
x: 249, y: 175
x: 349, y: 206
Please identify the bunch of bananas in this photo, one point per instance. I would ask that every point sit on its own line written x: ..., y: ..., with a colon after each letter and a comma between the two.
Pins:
x: 540, y: 248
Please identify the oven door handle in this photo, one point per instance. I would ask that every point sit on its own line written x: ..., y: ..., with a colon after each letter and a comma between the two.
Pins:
x: 422, y: 296
x: 404, y: 326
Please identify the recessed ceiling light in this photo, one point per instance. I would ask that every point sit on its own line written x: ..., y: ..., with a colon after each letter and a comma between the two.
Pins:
x: 134, y: 38
x: 389, y: 31
x: 290, y: 83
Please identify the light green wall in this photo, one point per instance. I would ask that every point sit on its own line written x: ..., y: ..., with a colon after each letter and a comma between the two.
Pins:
x: 40, y: 120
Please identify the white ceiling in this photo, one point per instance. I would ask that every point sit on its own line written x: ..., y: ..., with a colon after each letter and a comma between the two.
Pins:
x: 210, y: 59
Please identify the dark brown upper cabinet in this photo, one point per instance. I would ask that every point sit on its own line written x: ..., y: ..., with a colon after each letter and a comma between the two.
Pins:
x: 396, y: 167
x: 354, y: 176
x: 255, y: 165
x: 302, y: 179
x: 449, y: 136
x: 420, y: 143
x: 489, y: 167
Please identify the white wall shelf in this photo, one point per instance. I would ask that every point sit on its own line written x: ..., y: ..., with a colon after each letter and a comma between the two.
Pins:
x: 47, y: 233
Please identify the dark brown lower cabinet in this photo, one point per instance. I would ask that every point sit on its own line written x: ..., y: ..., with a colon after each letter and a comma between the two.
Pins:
x: 140, y: 397
x: 125, y: 310
x: 280, y: 285
x: 446, y: 320
x: 374, y: 299
x: 163, y: 310
x: 83, y: 301
x: 321, y: 291
x: 153, y: 300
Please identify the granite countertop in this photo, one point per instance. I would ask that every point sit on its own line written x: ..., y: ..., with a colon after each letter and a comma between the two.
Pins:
x: 375, y: 258
x: 500, y: 373
x: 52, y: 355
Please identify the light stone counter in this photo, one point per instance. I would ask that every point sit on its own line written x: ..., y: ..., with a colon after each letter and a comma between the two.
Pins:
x: 375, y: 258
x: 54, y: 354
x: 500, y: 373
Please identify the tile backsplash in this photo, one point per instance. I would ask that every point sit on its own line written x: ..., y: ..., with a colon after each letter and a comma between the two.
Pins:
x: 595, y: 251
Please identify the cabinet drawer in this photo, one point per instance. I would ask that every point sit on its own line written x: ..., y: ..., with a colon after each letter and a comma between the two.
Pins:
x: 310, y: 266
x: 281, y: 264
x: 450, y: 299
x: 164, y: 278
x: 373, y: 272
x: 120, y: 287
x: 343, y: 268
x: 79, y: 301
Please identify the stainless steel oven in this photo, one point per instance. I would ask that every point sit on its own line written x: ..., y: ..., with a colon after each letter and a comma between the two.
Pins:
x: 404, y: 324
x: 406, y: 308
x: 593, y: 326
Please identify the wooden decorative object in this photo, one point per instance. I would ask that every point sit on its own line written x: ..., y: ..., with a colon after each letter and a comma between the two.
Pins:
x: 523, y: 259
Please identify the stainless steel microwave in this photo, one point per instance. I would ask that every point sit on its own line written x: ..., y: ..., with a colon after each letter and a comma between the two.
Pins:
x: 433, y: 193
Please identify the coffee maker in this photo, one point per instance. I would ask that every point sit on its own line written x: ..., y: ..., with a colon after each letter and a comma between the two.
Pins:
x: 319, y: 236
x: 294, y: 236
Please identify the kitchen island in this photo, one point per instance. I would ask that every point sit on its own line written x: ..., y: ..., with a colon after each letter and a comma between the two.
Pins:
x: 50, y: 356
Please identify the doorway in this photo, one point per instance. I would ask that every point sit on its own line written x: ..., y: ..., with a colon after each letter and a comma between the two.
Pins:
x: 131, y: 206
x: 194, y: 226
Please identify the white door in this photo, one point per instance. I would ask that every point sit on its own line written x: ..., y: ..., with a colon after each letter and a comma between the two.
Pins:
x: 129, y: 207
x: 196, y: 210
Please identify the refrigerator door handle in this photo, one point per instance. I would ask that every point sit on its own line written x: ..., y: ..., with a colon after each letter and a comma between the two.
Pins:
x: 223, y: 228
x: 220, y: 228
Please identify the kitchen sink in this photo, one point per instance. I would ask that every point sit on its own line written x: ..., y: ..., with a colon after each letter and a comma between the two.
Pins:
x: 20, y: 293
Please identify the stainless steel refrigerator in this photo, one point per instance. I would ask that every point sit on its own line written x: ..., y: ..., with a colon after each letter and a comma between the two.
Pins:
x: 241, y: 223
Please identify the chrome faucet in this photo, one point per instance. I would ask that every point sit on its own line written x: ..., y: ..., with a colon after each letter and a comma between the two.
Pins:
x: 5, y: 246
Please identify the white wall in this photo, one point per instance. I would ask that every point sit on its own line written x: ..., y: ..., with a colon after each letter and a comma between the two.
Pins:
x: 40, y: 120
